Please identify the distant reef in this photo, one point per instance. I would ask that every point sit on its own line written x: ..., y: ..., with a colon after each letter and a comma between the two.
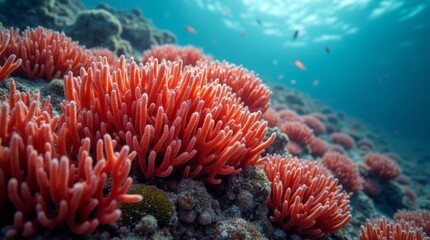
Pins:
x: 123, y: 32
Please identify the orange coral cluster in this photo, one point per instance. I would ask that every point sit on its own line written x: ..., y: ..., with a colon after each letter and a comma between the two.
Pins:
x: 343, y: 169
x: 10, y: 63
x: 385, y: 168
x: 298, y: 132
x: 48, y: 54
x: 421, y: 218
x: 169, y: 52
x: 244, y: 83
x: 47, y: 185
x: 305, y: 198
x: 174, y: 118
x: 384, y: 229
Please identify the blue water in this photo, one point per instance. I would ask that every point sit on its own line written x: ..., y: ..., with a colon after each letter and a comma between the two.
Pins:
x: 378, y: 68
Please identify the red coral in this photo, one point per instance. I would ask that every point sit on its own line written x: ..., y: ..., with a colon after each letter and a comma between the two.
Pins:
x: 305, y: 198
x: 384, y: 229
x: 48, y: 54
x: 343, y: 139
x: 9, y: 63
x: 343, y: 169
x: 384, y: 167
x: 244, y: 83
x: 421, y: 218
x: 289, y: 115
x: 271, y: 117
x: 172, y: 116
x: 318, y: 147
x: 188, y: 54
x: 297, y: 132
x: 41, y: 182
x: 314, y: 123
x: 294, y: 149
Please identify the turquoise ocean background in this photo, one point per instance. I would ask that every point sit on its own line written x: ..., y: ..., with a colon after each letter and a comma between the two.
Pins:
x: 378, y: 68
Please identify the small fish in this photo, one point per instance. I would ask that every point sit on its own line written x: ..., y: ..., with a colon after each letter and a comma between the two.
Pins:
x: 190, y: 29
x: 315, y: 82
x: 296, y: 34
x: 293, y: 81
x: 225, y: 12
x: 327, y: 50
x: 275, y: 62
x: 258, y: 21
x: 243, y: 34
x: 300, y: 65
x: 281, y: 76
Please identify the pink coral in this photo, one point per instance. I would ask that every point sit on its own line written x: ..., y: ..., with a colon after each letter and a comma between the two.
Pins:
x: 294, y: 148
x: 343, y: 169
x: 289, y: 115
x: 188, y: 54
x: 343, y: 139
x: 384, y: 229
x: 318, y: 147
x: 46, y: 185
x: 382, y: 166
x: 174, y: 118
x: 271, y: 117
x: 297, y: 132
x: 314, y: 123
x: 305, y: 198
x: 421, y: 218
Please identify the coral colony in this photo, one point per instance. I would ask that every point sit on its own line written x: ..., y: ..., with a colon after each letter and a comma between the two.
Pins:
x: 180, y: 146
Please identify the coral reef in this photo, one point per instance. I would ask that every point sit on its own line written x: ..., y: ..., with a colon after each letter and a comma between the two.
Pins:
x: 44, y: 184
x: 344, y: 170
x: 199, y: 130
x: 385, y: 229
x: 9, y: 63
x: 188, y: 54
x: 312, y: 204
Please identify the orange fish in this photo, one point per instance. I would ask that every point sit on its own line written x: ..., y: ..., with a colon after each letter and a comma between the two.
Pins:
x: 300, y: 65
x: 190, y: 29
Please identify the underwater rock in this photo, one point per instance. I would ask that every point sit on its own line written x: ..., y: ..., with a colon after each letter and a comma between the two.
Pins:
x: 278, y: 146
x: 236, y: 228
x: 105, y: 31
x: 48, y: 13
x: 139, y: 32
x: 196, y: 210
